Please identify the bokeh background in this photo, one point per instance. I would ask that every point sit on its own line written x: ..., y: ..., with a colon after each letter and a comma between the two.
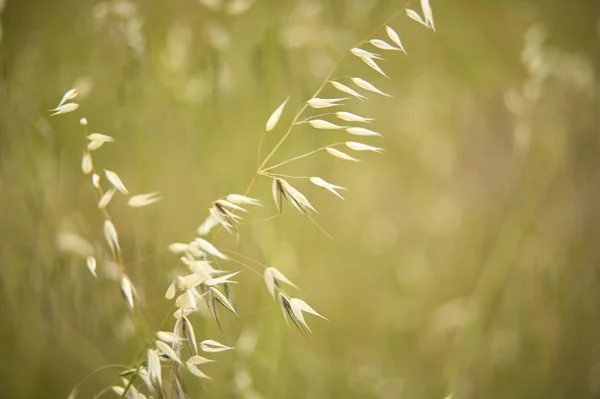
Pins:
x: 466, y: 258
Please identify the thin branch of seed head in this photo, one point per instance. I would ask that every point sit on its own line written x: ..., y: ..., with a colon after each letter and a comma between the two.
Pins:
x: 248, y: 258
x: 268, y: 174
x: 261, y: 220
x: 320, y: 228
x: 300, y: 156
x: 101, y: 393
x: 97, y: 370
x: 239, y: 262
x: 366, y: 39
x: 261, y: 167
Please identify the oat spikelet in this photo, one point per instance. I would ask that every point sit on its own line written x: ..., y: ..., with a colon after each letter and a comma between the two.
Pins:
x: 209, y: 248
x: 292, y: 195
x: 395, y: 38
x: 428, y: 13
x: 167, y: 350
x: 277, y: 194
x: 360, y: 53
x: 242, y: 200
x: 317, y: 181
x: 100, y: 137
x: 274, y: 118
x: 192, y: 364
x: 362, y: 147
x: 321, y: 124
x: 412, y: 14
x: 380, y: 44
x: 64, y: 109
x: 363, y: 84
x: 110, y: 233
x: 96, y: 180
x: 209, y: 345
x: 361, y: 131
x: 350, y: 117
x: 91, y: 264
x: 128, y: 290
x: 97, y: 140
x: 86, y: 163
x: 272, y: 279
x: 141, y: 200
x: 341, y: 155
x: 298, y: 306
x: 115, y: 180
x: 373, y: 65
x: 154, y: 368
x: 168, y: 337
x: 69, y: 95
x: 345, y: 89
x: 106, y: 198
x: 318, y: 103
x: 207, y: 225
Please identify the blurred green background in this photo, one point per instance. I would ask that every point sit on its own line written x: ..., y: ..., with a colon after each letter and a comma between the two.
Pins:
x: 466, y: 258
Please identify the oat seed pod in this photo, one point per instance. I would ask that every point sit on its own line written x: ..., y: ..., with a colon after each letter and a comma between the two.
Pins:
x: 128, y: 290
x: 317, y: 181
x: 293, y: 196
x: 298, y: 306
x: 86, y: 163
x: 154, y: 368
x: 350, y: 117
x: 91, y: 264
x: 209, y: 345
x: 362, y: 147
x: 64, y: 109
x: 380, y: 44
x: 363, y: 84
x: 373, y: 65
x: 361, y: 131
x: 272, y: 277
x: 321, y: 124
x: 360, y: 53
x: 274, y: 118
x: 110, y: 233
x: 345, y: 89
x: 412, y: 14
x: 115, y: 180
x: 209, y: 248
x: 69, y: 95
x: 318, y: 103
x: 96, y: 180
x: 341, y: 155
x: 395, y: 38
x: 106, y: 198
x: 140, y: 200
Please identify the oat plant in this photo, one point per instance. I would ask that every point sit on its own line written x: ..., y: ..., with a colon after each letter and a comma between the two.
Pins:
x: 173, y: 347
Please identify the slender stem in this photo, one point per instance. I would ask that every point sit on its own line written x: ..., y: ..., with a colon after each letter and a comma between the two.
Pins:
x: 101, y: 393
x: 299, y: 157
x: 286, y: 176
x: 90, y: 375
